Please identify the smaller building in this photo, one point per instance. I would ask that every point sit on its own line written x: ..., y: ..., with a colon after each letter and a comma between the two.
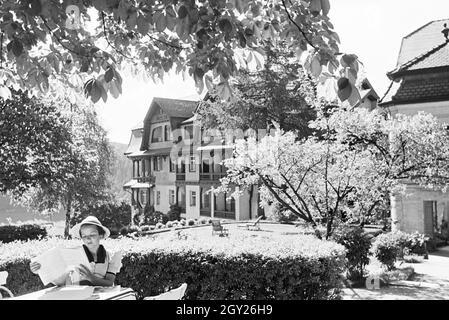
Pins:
x: 420, y: 82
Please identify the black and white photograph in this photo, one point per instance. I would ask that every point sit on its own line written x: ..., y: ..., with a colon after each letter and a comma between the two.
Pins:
x: 226, y: 155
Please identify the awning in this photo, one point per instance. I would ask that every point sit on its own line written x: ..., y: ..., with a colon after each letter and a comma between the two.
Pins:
x: 215, y: 147
x: 142, y: 185
x: 129, y: 184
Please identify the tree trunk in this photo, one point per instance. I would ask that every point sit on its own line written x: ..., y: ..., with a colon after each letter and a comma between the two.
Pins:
x: 67, y: 216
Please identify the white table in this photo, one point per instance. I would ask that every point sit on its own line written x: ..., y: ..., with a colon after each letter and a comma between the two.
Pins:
x: 80, y: 293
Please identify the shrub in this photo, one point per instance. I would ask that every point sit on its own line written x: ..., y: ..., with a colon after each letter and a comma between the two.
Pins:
x: 10, y: 233
x: 144, y: 228
x: 209, y: 221
x: 233, y: 268
x: 152, y: 227
x: 182, y: 222
x: 175, y: 224
x: 133, y: 229
x: 169, y: 224
x: 389, y: 247
x: 113, y: 216
x: 416, y: 243
x: 358, y: 245
x: 190, y: 222
x: 124, y: 231
x: 203, y: 221
x: 159, y: 225
x: 174, y: 213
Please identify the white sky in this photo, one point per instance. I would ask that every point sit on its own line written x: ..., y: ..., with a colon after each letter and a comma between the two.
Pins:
x: 371, y: 29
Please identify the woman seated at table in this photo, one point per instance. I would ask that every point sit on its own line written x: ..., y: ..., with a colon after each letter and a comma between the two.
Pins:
x: 104, y: 265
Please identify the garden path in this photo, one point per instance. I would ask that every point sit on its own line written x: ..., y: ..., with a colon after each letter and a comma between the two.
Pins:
x: 430, y: 282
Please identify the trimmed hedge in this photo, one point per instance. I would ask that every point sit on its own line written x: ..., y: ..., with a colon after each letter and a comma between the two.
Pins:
x: 10, y: 233
x: 238, y: 267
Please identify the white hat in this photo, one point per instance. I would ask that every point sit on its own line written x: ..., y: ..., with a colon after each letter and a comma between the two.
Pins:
x: 75, y: 231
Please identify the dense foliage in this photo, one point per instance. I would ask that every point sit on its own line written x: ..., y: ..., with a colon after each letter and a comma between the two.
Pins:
x: 113, y: 216
x: 358, y: 245
x: 210, y: 40
x: 10, y: 233
x: 279, y: 93
x: 34, y: 143
x: 297, y: 267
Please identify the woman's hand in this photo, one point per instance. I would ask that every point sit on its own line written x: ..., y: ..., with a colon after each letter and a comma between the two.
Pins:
x: 35, y: 266
x: 85, y: 272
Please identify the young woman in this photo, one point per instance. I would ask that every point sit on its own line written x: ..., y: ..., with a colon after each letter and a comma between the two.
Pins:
x: 103, y: 265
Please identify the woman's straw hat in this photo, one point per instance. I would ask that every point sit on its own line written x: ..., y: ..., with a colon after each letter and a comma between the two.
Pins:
x: 75, y: 231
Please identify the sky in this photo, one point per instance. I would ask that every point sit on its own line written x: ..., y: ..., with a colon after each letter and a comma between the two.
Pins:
x: 371, y: 29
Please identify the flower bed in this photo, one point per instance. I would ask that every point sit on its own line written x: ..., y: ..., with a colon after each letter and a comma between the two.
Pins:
x: 239, y: 267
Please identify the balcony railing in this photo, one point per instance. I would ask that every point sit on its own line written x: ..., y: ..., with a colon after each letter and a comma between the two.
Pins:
x: 224, y: 214
x: 212, y: 176
x: 205, y: 212
x: 150, y: 179
x: 180, y: 176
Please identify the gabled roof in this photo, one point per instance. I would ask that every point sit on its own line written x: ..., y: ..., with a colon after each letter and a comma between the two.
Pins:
x: 173, y: 107
x: 177, y: 110
x: 434, y: 58
x: 421, y: 41
x: 135, y: 141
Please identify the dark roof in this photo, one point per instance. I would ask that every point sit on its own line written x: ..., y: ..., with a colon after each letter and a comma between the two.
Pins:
x: 436, y: 57
x: 421, y: 41
x: 175, y: 107
x: 421, y: 89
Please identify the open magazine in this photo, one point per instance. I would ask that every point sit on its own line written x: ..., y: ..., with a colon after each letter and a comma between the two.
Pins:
x: 56, y: 263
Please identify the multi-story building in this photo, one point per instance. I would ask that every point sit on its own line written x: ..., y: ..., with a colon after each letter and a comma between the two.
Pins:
x: 175, y: 163
x: 420, y: 82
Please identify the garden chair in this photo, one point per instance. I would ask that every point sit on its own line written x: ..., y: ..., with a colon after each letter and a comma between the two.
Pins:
x: 254, y: 226
x: 174, y: 294
x: 3, y: 277
x: 218, y: 228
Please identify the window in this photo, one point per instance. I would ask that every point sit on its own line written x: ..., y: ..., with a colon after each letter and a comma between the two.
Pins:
x: 147, y: 165
x: 143, y: 197
x: 188, y: 133
x: 206, y: 167
x: 192, y: 163
x: 167, y: 133
x: 156, y: 136
x: 157, y: 163
x: 192, y: 198
x: 205, y: 199
x: 136, y: 169
x: 171, y: 197
x: 158, y: 197
x: 172, y: 165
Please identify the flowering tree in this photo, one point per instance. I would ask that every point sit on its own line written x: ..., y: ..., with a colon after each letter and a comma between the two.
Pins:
x: 86, y: 44
x: 346, y: 173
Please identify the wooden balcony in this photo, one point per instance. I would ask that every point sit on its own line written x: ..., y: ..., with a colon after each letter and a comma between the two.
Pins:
x: 212, y: 176
x: 149, y: 179
x: 205, y: 212
x: 180, y: 176
x: 224, y: 214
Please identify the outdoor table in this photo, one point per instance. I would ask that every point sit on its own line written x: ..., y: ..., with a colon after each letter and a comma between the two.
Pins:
x: 80, y: 293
